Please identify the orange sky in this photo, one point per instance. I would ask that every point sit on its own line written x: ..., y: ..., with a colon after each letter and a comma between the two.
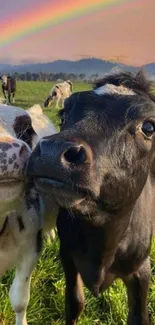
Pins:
x: 127, y: 33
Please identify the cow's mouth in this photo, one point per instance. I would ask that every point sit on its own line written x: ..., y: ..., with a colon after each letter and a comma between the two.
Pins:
x: 10, y: 181
x: 64, y: 193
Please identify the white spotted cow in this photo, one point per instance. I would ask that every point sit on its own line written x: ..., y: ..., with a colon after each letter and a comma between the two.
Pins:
x: 60, y: 91
x: 24, y: 215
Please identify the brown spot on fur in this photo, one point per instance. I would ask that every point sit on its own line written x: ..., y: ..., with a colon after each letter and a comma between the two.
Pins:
x: 16, y: 145
x: 32, y: 199
x: 14, y: 156
x: 23, y: 129
x: 10, y: 161
x: 16, y: 166
x: 39, y: 240
x: 3, y: 161
x: 4, y: 226
x: 3, y: 155
x: 4, y: 168
x: 5, y: 146
x: 20, y: 223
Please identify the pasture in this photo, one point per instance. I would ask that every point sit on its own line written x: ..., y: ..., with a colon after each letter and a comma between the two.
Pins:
x: 46, y: 305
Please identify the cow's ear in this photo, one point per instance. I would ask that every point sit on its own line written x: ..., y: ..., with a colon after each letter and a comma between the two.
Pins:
x: 71, y: 85
x: 24, y: 130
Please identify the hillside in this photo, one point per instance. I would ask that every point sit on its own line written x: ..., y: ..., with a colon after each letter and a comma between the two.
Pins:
x: 83, y: 66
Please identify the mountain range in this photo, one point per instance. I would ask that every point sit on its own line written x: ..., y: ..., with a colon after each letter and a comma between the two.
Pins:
x: 84, y: 66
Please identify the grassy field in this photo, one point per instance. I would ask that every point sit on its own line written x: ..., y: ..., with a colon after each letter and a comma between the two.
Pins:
x: 46, y: 306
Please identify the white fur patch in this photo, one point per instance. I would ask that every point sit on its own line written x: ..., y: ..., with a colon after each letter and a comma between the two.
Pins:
x: 4, y: 79
x: 41, y: 124
x: 112, y: 89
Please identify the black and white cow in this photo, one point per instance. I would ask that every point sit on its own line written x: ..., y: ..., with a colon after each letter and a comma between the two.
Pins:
x: 24, y: 215
x: 101, y: 170
x: 60, y: 91
x: 8, y: 88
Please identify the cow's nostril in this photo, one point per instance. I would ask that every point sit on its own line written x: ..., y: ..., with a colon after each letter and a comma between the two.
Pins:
x: 75, y: 155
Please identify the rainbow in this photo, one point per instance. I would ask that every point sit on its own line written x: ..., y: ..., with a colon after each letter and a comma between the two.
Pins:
x: 47, y: 15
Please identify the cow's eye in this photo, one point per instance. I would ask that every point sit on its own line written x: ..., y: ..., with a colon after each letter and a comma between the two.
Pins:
x: 148, y: 128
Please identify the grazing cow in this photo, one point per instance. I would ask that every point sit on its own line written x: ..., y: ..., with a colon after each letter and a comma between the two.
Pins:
x: 101, y: 171
x: 8, y: 88
x: 24, y: 215
x: 60, y: 91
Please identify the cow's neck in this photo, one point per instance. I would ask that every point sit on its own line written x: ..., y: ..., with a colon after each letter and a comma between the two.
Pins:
x: 92, y: 246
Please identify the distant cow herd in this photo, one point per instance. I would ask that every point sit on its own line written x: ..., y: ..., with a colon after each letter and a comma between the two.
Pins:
x: 59, y: 91
x: 94, y: 180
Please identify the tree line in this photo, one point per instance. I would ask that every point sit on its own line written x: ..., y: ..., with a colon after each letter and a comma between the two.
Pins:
x: 42, y: 76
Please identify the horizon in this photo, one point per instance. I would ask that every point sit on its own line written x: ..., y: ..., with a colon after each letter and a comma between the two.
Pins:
x: 117, y: 30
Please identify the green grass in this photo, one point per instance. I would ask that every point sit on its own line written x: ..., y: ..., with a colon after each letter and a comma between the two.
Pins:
x: 46, y: 305
x: 30, y: 93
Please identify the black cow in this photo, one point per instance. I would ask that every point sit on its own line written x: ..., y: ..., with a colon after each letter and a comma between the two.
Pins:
x: 101, y: 170
x: 8, y: 88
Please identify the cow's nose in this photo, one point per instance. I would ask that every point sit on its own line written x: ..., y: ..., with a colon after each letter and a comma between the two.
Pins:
x: 55, y: 158
x: 75, y: 154
x: 13, y: 156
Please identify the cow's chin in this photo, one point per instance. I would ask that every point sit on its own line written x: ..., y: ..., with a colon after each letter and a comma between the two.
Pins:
x: 64, y: 194
x: 11, y: 192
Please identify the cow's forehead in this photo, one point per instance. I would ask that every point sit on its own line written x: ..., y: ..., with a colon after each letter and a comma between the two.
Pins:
x: 111, y: 106
x: 8, y: 114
